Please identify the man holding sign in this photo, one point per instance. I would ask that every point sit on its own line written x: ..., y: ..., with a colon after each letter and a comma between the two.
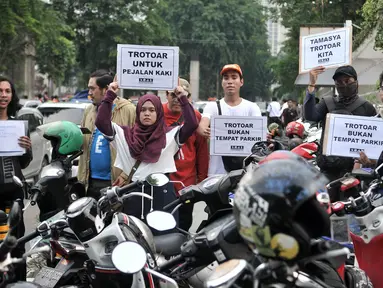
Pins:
x: 348, y: 102
x: 231, y: 105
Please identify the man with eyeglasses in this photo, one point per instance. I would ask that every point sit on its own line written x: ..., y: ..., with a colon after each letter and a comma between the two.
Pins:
x: 347, y: 102
x: 192, y: 160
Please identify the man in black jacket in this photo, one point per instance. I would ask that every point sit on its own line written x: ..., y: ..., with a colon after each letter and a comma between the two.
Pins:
x: 348, y: 102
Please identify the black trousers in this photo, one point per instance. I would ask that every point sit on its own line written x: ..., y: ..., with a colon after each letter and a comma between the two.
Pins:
x: 161, y: 197
x: 94, y: 187
x: 186, y: 216
x: 277, y: 120
x: 9, y: 194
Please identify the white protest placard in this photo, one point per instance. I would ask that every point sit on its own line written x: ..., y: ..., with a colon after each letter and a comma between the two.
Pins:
x: 236, y: 135
x: 147, y: 67
x: 10, y: 132
x: 328, y: 49
x: 347, y: 135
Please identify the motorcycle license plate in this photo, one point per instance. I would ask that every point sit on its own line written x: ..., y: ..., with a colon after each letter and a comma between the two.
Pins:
x: 48, y: 277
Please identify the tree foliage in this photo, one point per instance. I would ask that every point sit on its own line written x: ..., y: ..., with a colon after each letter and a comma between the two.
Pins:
x: 217, y: 35
x: 100, y: 25
x: 297, y: 13
x: 373, y: 19
x: 18, y: 28
x: 33, y: 24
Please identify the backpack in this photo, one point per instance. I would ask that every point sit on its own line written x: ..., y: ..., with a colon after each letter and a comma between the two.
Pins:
x: 337, y: 162
x: 230, y: 163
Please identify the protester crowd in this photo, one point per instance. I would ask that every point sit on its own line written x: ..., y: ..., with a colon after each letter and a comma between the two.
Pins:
x: 128, y: 142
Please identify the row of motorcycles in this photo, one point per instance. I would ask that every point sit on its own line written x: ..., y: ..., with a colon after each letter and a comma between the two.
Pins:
x: 82, y: 242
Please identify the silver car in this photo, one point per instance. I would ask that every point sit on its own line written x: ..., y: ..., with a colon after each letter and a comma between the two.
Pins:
x: 41, y: 148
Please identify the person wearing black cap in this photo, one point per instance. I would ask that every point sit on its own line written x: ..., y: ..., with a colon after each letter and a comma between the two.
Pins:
x: 347, y: 102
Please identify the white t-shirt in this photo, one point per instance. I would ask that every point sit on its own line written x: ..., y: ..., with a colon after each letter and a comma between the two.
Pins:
x: 274, y: 109
x: 284, y: 106
x: 125, y: 161
x: 245, y: 108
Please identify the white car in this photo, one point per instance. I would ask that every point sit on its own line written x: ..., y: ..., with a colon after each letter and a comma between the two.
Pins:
x: 41, y: 148
x: 50, y: 108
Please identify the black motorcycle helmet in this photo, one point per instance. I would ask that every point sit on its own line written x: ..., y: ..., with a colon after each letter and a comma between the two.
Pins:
x: 276, y: 208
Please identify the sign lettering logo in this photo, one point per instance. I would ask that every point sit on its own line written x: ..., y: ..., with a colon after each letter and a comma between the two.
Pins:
x: 356, y: 150
x: 237, y: 147
x: 145, y: 80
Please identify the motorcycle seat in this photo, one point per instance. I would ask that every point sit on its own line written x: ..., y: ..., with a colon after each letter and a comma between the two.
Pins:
x: 169, y: 244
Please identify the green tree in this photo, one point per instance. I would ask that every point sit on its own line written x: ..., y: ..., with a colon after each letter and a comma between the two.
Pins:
x: 33, y: 23
x: 372, y: 13
x: 18, y: 29
x: 297, y: 13
x: 218, y: 32
x: 55, y: 53
x: 100, y: 25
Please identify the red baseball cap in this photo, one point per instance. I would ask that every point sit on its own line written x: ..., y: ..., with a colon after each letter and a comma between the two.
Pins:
x: 233, y: 67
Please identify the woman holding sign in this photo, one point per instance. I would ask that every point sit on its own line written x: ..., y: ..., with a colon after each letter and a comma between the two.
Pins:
x: 12, y: 165
x: 149, y: 146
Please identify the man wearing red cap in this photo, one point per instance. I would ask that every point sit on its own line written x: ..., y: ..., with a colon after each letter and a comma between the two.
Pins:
x: 231, y: 105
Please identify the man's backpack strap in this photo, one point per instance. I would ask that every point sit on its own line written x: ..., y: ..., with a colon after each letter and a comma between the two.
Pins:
x: 219, y: 107
x: 330, y: 103
x: 356, y: 104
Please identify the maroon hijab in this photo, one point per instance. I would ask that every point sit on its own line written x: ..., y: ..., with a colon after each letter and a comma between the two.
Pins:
x: 146, y: 142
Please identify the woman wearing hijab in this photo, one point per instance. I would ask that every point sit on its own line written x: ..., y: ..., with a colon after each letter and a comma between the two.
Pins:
x: 149, y: 147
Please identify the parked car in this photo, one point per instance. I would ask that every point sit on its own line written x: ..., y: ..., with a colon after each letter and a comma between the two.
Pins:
x: 41, y: 148
x: 30, y: 103
x: 47, y: 109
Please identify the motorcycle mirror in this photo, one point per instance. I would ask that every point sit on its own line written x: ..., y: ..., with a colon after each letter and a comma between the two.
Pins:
x: 157, y: 179
x: 160, y: 220
x: 17, y: 181
x: 14, y: 215
x: 226, y: 273
x: 129, y: 257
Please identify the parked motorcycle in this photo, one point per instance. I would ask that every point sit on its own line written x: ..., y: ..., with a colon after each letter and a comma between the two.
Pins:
x: 57, y: 188
x: 273, y: 273
x: 367, y: 229
x: 7, y: 263
x: 98, y: 227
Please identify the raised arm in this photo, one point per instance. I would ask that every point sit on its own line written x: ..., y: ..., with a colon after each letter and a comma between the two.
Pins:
x: 190, y: 120
x: 104, y: 114
x: 312, y: 111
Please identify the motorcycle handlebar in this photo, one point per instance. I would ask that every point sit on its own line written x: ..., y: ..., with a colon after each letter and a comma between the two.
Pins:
x: 28, y: 237
x: 361, y: 197
x: 123, y: 190
x: 7, y: 246
x: 35, y: 193
x: 172, y: 204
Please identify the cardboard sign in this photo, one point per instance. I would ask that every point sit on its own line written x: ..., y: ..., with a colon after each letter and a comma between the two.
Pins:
x: 147, y: 67
x: 236, y: 135
x: 347, y: 135
x: 328, y: 49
